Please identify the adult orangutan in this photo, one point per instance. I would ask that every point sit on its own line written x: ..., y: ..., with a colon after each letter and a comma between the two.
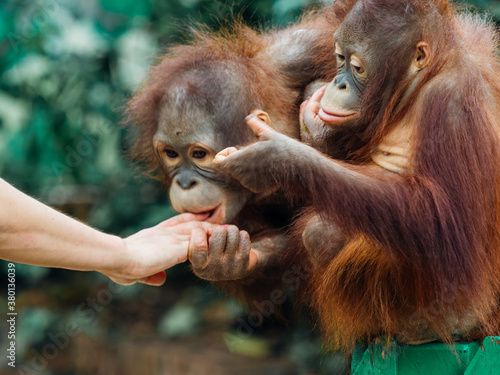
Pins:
x: 419, y: 205
x: 194, y: 104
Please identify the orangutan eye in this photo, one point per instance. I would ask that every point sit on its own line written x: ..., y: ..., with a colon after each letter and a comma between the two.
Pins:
x: 199, y: 154
x: 357, y: 65
x: 359, y: 69
x: 171, y: 154
x: 339, y: 53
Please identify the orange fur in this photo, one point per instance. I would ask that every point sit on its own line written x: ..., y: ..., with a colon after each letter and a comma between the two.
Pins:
x: 424, y: 259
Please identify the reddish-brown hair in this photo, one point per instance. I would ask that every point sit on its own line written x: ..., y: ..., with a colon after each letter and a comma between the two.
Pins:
x: 268, y: 86
x: 423, y: 249
x: 271, y: 84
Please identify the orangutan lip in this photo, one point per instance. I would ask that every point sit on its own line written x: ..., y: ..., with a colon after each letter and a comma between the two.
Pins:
x: 210, y: 213
x: 333, y: 117
x: 214, y: 216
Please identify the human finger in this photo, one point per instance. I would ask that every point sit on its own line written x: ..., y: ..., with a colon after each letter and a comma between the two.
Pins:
x: 183, y: 218
x: 185, y: 229
x: 157, y: 279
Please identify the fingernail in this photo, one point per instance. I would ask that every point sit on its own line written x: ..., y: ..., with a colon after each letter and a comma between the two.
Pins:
x: 250, y: 117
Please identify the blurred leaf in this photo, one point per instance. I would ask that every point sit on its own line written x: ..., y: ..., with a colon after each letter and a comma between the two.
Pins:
x: 31, y: 273
x: 182, y: 320
x: 248, y: 346
x: 136, y: 49
x: 31, y: 327
x: 28, y: 70
x: 5, y: 23
x: 128, y: 7
x: 284, y: 7
x: 67, y: 68
x: 14, y: 113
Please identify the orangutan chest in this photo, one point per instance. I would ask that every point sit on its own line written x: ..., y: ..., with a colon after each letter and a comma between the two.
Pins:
x: 395, y: 151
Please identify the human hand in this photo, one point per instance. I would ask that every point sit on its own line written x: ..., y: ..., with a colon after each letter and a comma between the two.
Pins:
x: 221, y: 253
x: 146, y: 254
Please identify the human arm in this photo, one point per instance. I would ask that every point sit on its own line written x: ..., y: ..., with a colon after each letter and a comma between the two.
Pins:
x: 33, y: 233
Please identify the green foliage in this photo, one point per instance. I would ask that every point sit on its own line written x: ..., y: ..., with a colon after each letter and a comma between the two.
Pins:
x: 67, y: 69
x: 182, y: 320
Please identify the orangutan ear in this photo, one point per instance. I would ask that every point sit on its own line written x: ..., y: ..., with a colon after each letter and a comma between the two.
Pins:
x: 422, y: 56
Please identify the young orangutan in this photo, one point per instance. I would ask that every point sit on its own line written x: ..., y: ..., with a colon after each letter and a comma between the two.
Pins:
x: 419, y: 203
x: 194, y: 104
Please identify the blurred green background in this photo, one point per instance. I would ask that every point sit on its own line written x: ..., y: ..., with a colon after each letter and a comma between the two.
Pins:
x: 67, y: 67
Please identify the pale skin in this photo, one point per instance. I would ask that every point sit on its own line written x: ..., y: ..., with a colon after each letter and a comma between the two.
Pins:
x: 33, y: 233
